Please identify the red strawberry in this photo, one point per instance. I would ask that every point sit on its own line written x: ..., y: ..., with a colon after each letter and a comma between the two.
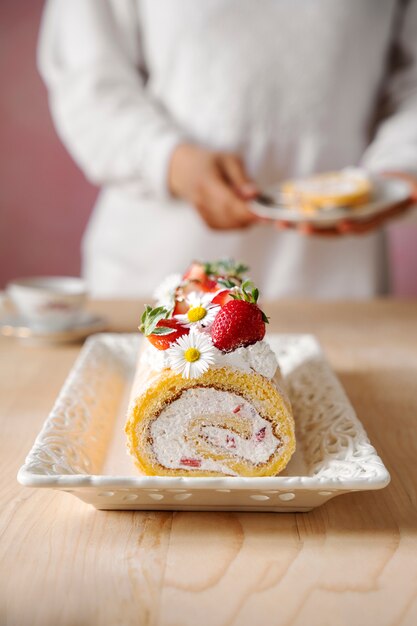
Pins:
x: 160, y: 328
x: 197, y: 279
x: 180, y: 307
x: 163, y: 342
x: 237, y: 324
x: 196, y: 271
x: 190, y: 462
x: 222, y: 297
x: 195, y: 284
x: 208, y: 286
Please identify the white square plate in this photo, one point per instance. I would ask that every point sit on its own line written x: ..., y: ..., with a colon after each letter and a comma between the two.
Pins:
x: 81, y: 447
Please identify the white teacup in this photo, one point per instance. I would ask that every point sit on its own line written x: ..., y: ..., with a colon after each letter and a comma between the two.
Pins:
x: 49, y: 302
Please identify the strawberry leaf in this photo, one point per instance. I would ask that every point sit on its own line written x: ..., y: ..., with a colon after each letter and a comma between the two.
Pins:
x: 265, y: 318
x: 249, y: 293
x: 226, y: 268
x: 227, y: 283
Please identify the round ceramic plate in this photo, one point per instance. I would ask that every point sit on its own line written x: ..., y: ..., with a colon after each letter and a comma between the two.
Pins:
x: 15, y: 326
x: 387, y: 192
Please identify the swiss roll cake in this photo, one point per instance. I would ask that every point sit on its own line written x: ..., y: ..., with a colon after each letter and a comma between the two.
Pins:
x: 208, y: 398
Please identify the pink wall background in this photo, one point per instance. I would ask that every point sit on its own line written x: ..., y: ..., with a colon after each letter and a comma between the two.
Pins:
x: 45, y: 201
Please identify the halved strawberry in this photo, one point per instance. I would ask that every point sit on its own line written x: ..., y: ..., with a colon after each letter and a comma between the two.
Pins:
x: 222, y: 297
x: 196, y: 271
x: 163, y: 342
x: 208, y: 286
x: 197, y: 279
x: 180, y: 307
x: 192, y: 286
x: 159, y: 328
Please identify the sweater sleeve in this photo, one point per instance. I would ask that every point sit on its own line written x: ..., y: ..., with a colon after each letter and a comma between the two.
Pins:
x: 90, y: 58
x: 395, y: 144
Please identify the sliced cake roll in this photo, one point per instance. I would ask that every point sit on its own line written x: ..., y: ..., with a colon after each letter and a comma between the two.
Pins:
x: 208, y: 398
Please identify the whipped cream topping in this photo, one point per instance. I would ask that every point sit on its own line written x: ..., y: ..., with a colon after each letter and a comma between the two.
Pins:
x: 165, y: 292
x: 258, y: 357
x: 174, y: 432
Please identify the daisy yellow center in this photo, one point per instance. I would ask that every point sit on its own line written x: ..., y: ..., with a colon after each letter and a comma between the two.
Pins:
x: 196, y: 314
x: 192, y: 354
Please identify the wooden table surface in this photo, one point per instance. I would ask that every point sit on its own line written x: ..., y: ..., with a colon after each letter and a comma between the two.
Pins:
x: 350, y: 562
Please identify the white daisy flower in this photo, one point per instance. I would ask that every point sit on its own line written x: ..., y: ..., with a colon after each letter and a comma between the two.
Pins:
x: 191, y: 355
x: 165, y: 292
x: 202, y: 311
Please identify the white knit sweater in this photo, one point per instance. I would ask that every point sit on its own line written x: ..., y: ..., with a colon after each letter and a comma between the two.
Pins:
x: 293, y: 87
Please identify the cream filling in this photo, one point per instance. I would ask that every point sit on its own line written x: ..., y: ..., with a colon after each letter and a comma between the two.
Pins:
x: 190, y: 429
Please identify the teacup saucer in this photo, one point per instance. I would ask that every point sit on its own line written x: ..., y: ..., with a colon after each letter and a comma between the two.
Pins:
x: 16, y: 326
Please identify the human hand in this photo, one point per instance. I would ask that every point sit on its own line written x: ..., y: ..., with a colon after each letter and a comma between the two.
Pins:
x: 215, y: 183
x: 362, y: 227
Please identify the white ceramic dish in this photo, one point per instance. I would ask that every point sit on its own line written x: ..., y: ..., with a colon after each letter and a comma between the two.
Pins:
x: 85, y: 325
x: 48, y: 302
x: 388, y: 192
x: 81, y: 448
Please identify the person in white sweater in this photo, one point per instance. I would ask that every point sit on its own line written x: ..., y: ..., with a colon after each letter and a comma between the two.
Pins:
x: 181, y: 110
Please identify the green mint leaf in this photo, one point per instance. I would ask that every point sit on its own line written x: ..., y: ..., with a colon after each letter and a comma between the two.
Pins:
x: 241, y: 269
x: 151, y: 317
x: 163, y: 330
x: 208, y: 268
